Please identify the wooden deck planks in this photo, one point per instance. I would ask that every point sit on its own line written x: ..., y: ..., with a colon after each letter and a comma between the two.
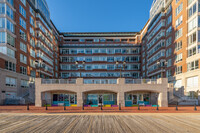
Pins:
x: 98, y: 123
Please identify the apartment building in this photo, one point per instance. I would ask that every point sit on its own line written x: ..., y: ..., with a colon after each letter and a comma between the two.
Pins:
x: 29, y: 47
x: 99, y: 55
x: 170, y: 44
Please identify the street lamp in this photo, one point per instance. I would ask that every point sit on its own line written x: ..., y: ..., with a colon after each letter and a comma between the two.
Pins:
x: 81, y: 67
x: 121, y: 68
x: 162, y: 65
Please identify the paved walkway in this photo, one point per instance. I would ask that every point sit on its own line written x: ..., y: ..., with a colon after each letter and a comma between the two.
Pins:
x: 99, y: 123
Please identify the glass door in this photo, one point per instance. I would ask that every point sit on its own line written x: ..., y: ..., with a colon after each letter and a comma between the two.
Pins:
x: 134, y: 99
x: 100, y: 99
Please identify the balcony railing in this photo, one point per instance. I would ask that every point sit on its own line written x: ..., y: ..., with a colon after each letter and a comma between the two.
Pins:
x: 100, y: 81
x: 143, y: 81
x: 58, y: 81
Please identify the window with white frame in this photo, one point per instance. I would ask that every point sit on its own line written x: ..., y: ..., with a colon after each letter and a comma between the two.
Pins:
x: 179, y: 57
x: 192, y: 24
x: 192, y: 10
x: 193, y: 82
x: 192, y: 51
x: 23, y: 47
x: 23, y: 35
x: 11, y: 82
x: 32, y: 53
x: 192, y: 38
x: 193, y: 65
x: 178, y: 83
x: 24, y: 83
x: 23, y: 70
x: 23, y: 59
x: 178, y: 70
x: 178, y: 45
x: 179, y: 21
x: 179, y: 8
x: 179, y: 33
x: 10, y: 66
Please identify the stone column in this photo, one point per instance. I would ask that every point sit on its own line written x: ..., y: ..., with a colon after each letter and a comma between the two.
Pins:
x: 38, y: 93
x: 79, y: 99
x: 120, y: 99
x: 162, y: 99
x: 79, y: 82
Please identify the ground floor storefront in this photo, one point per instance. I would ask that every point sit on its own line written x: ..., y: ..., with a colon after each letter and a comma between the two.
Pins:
x: 120, y: 93
x: 99, y: 98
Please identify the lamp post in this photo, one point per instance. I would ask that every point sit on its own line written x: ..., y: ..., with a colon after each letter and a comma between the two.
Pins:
x: 121, y: 68
x: 77, y: 63
x: 162, y: 65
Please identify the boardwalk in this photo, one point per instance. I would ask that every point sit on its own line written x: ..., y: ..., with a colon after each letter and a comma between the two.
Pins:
x: 99, y: 123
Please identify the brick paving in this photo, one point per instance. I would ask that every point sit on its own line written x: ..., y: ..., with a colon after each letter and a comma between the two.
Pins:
x: 33, y: 109
x: 99, y: 123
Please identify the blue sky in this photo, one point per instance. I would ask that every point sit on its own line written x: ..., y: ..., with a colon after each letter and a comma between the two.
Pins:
x: 99, y: 15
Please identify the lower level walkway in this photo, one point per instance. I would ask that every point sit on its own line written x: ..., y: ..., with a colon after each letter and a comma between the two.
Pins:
x: 98, y: 123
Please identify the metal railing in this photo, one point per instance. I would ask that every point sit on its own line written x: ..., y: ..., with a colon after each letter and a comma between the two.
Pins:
x: 58, y: 81
x: 142, y: 81
x: 100, y: 81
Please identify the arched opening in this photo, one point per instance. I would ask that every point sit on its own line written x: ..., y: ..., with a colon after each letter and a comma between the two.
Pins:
x: 59, y: 98
x: 100, y: 97
x: 143, y: 98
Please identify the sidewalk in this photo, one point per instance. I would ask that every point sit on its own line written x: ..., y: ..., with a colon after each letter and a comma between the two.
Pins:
x: 33, y: 109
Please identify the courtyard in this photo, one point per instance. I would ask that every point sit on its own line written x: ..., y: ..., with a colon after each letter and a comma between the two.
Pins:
x: 99, y: 122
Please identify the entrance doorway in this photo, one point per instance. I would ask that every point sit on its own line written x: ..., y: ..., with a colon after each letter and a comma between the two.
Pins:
x: 100, y: 99
x: 134, y: 99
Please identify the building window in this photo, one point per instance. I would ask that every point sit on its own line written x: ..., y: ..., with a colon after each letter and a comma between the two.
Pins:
x: 11, y: 82
x: 168, y: 52
x: 178, y: 70
x: 32, y: 42
x: 32, y: 11
x: 32, y: 31
x: 23, y: 47
x: 192, y: 51
x: 10, y: 26
x: 169, y: 73
x: 24, y: 84
x: 192, y: 38
x: 169, y: 63
x: 24, y: 2
x: 22, y: 11
x: 169, y: 20
x: 2, y: 37
x: 2, y: 23
x: 23, y: 70
x: 23, y: 35
x: 32, y: 53
x: 23, y: 59
x: 10, y: 40
x: 179, y: 58
x: 178, y: 45
x: 10, y: 52
x: 192, y: 10
x: 32, y: 63
x: 22, y: 23
x: 179, y: 21
x: 192, y: 24
x: 179, y: 9
x: 10, y: 66
x: 193, y: 65
x: 168, y: 41
x: 169, y: 31
x: 2, y: 8
x: 11, y: 2
x: 193, y: 82
x: 179, y: 33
